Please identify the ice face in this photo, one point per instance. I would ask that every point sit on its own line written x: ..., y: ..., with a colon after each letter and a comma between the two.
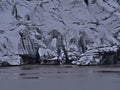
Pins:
x: 64, y: 28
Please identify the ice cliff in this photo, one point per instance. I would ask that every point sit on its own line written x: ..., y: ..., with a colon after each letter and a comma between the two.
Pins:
x: 62, y: 30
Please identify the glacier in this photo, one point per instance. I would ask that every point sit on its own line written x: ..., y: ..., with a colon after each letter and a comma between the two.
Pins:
x: 81, y: 32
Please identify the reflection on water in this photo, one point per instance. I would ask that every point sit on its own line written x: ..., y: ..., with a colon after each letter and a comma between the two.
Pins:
x: 106, y: 71
x: 66, y: 77
x: 60, y: 71
x: 45, y: 71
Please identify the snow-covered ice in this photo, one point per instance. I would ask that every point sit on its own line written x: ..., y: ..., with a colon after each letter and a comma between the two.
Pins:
x: 59, y: 29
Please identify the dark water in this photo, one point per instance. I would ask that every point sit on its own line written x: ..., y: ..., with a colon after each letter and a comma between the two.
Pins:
x: 63, y: 77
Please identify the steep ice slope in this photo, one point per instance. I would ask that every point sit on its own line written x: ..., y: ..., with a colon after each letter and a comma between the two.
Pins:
x: 57, y: 28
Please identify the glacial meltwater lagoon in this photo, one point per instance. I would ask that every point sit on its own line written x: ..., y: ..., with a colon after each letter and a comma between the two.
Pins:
x: 60, y: 77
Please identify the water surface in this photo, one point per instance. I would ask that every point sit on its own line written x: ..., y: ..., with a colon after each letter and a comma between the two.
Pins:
x: 60, y: 77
